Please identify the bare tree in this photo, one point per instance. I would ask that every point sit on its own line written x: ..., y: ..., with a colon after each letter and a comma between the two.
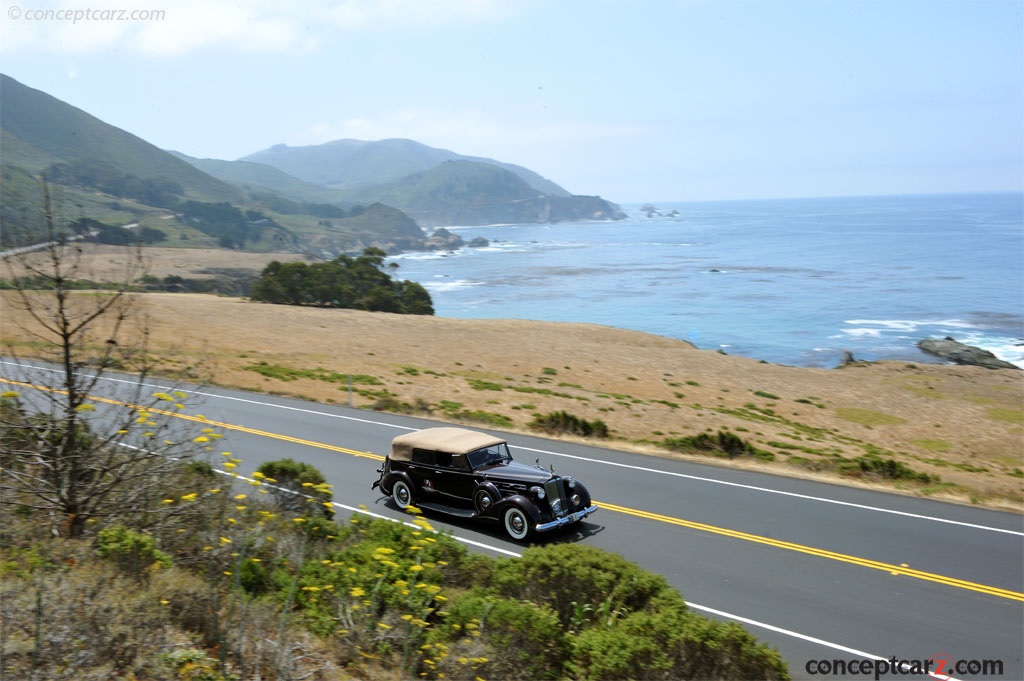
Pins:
x: 68, y: 449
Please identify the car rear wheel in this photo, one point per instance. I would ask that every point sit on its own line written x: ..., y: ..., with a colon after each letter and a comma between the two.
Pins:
x: 517, y: 523
x: 401, y: 494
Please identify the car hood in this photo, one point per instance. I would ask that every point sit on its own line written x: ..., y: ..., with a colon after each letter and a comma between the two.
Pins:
x: 519, y: 472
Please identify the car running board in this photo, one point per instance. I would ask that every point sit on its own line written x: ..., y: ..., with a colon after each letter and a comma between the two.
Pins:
x: 450, y: 510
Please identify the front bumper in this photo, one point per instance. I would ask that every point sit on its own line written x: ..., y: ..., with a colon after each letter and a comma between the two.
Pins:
x: 565, y: 520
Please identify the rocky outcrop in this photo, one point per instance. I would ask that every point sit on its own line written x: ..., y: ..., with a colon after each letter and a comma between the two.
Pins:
x: 959, y: 353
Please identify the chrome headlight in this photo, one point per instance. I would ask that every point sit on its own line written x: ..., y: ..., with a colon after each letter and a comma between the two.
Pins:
x: 570, y: 483
x: 575, y: 499
x: 538, y: 492
x: 556, y: 505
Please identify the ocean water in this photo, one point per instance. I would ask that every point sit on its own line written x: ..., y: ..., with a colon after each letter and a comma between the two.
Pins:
x: 786, y: 281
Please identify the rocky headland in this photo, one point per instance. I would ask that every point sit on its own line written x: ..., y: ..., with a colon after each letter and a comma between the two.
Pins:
x: 954, y: 351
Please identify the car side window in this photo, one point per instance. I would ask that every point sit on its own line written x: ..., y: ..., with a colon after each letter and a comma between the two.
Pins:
x: 424, y: 456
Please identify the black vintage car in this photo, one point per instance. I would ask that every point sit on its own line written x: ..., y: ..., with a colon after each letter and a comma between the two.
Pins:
x: 472, y: 475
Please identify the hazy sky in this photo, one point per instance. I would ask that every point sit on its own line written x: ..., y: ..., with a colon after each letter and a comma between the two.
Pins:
x: 635, y: 100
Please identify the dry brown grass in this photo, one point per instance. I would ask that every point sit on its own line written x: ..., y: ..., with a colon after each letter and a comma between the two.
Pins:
x: 964, y: 424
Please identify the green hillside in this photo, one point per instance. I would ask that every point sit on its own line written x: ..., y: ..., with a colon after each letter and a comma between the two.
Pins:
x: 257, y: 177
x: 40, y: 130
x: 472, y: 193
x: 353, y: 164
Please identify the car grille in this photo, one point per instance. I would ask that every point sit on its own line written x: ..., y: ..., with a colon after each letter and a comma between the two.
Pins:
x: 555, y: 490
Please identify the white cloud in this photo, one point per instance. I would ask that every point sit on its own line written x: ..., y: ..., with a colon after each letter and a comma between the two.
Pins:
x: 166, y: 28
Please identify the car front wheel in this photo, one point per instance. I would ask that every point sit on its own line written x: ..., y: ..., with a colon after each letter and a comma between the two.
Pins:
x: 517, y: 524
x: 401, y: 494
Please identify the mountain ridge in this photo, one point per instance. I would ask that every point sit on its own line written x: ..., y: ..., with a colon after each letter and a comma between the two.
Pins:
x: 352, y: 163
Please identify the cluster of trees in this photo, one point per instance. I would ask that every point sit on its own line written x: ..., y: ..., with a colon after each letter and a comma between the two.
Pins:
x: 109, y: 180
x: 285, y: 206
x: 360, y: 283
x: 231, y: 226
x: 117, y: 236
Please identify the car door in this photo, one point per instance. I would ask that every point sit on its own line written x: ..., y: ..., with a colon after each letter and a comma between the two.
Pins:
x: 459, y: 481
x: 422, y: 468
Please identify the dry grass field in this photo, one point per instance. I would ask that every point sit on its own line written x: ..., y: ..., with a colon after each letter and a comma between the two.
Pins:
x: 963, y: 424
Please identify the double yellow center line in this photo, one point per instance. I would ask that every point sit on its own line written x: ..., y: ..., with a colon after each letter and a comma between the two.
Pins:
x: 900, y: 570
x: 903, y: 570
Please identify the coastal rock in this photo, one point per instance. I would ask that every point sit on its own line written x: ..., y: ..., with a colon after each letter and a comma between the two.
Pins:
x: 443, y: 240
x: 950, y: 349
x: 478, y: 242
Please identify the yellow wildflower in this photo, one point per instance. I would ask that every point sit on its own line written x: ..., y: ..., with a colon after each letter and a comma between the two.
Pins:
x: 239, y: 496
x: 189, y: 497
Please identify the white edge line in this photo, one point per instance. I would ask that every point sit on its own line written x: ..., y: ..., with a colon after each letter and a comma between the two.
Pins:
x: 644, y: 469
x: 803, y: 637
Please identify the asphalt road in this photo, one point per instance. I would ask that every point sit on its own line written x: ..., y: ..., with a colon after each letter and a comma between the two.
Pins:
x: 822, y: 572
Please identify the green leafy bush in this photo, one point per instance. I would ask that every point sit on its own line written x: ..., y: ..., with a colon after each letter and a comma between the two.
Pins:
x: 557, y: 422
x: 132, y: 551
x: 297, y: 486
x: 722, y: 443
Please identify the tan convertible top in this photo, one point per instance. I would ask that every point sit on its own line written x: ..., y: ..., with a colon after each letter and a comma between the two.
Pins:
x: 454, y: 440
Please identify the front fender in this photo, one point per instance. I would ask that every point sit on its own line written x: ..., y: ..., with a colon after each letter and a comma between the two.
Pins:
x: 580, y: 489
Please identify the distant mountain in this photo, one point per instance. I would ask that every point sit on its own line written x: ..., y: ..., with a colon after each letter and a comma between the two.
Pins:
x: 102, y: 174
x: 251, y: 176
x: 40, y: 130
x: 472, y: 193
x: 353, y: 164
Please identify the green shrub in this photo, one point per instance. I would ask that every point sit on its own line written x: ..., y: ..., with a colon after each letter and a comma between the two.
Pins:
x: 558, y: 422
x: 523, y: 640
x: 133, y: 552
x: 298, y: 487
x: 575, y: 578
x: 873, y: 465
x: 672, y: 643
x: 479, y: 384
x: 722, y: 443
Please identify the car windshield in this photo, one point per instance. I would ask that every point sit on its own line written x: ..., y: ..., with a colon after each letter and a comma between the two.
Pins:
x: 489, y: 455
